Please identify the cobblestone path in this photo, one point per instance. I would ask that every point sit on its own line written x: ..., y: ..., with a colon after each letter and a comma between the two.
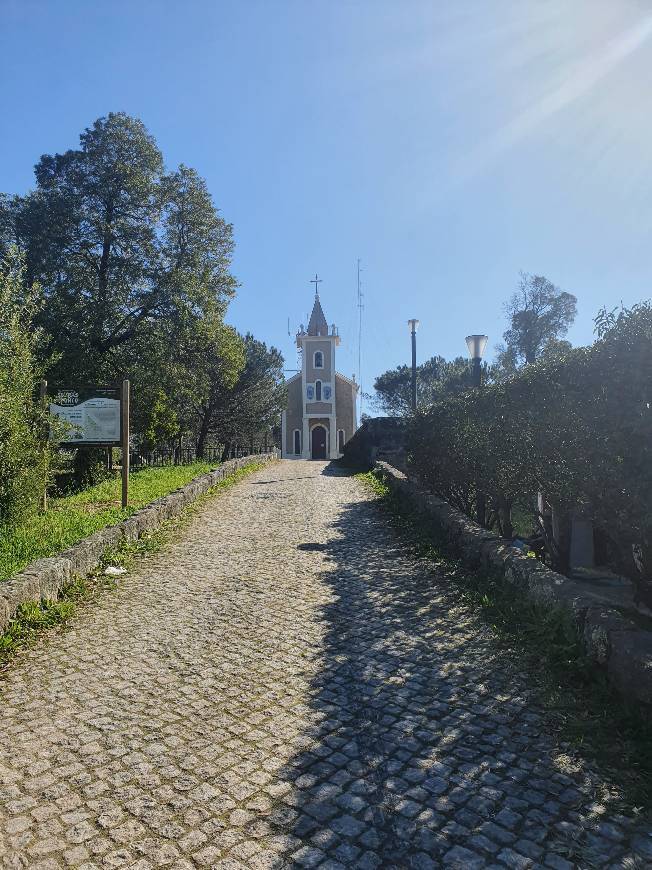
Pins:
x: 286, y: 687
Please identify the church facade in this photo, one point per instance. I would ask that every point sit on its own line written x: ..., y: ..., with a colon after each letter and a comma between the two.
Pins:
x: 321, y: 407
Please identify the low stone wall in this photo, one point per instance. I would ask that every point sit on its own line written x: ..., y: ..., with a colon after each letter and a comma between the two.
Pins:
x: 44, y: 579
x: 615, y: 644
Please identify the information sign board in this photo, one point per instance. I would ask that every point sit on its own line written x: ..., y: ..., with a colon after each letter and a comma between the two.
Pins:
x: 95, y: 420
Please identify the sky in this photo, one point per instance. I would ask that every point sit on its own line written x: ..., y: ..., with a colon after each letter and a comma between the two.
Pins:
x: 445, y: 145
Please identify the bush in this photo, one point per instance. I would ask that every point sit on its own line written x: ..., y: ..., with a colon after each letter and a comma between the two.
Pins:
x: 24, y: 453
x: 577, y: 428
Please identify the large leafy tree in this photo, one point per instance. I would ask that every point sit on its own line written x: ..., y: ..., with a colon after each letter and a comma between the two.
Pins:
x: 134, y: 263
x: 540, y: 314
x: 119, y: 247
x: 436, y: 378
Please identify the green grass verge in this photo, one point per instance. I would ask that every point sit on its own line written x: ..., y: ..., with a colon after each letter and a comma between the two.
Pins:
x: 580, y: 704
x: 74, y: 517
x: 32, y: 619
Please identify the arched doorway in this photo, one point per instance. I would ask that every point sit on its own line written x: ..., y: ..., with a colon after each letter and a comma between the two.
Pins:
x: 318, y: 439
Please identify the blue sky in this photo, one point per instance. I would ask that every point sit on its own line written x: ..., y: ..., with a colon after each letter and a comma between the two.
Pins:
x: 447, y: 145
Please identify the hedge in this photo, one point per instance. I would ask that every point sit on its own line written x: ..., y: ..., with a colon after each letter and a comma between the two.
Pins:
x: 577, y: 429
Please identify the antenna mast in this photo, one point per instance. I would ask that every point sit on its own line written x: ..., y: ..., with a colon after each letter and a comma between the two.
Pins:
x: 360, y: 307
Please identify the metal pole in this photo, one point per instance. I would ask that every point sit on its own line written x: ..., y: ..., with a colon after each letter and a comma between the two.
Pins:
x: 477, y: 371
x: 124, y: 410
x: 414, y: 369
x: 480, y: 504
x: 43, y: 394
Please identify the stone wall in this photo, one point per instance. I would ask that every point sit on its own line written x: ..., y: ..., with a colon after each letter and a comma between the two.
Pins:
x: 617, y: 645
x: 44, y: 579
x: 378, y: 438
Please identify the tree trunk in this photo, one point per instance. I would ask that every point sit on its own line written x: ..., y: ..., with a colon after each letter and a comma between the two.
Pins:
x: 561, y: 533
x: 643, y: 583
x: 505, y: 515
x: 226, y: 450
x: 203, y: 434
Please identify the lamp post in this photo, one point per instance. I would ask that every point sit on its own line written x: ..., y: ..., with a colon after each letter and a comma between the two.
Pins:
x: 477, y: 345
x: 414, y: 325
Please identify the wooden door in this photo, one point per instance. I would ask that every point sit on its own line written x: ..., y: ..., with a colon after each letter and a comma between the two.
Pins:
x: 319, y: 443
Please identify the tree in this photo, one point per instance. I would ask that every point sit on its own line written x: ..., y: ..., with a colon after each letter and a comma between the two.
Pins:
x: 435, y: 378
x: 24, y: 452
x: 253, y: 405
x: 119, y: 247
x: 135, y: 265
x: 539, y: 314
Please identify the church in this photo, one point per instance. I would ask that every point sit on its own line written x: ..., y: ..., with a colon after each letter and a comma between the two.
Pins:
x: 321, y: 405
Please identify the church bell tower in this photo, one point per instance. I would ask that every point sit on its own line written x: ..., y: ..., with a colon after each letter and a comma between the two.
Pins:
x: 320, y: 416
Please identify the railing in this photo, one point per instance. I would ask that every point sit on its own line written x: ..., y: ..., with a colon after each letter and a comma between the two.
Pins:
x: 188, y: 455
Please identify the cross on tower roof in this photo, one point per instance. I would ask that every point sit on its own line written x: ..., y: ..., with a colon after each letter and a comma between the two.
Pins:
x: 316, y: 281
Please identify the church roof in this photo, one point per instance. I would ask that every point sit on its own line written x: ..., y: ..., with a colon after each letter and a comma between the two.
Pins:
x: 317, y: 324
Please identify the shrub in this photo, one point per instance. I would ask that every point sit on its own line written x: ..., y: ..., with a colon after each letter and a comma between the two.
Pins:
x: 577, y: 428
x: 24, y: 453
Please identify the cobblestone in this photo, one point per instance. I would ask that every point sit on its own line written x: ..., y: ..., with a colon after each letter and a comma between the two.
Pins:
x: 287, y: 686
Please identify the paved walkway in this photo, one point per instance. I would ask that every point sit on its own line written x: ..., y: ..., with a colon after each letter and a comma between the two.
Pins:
x: 286, y: 687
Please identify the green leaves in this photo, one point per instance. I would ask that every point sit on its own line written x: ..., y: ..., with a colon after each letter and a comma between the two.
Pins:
x: 24, y: 451
x: 435, y: 378
x: 134, y: 263
x: 576, y: 426
x: 539, y: 314
x: 126, y: 253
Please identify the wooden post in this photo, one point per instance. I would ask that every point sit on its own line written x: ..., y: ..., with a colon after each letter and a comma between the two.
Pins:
x: 43, y: 395
x: 124, y: 433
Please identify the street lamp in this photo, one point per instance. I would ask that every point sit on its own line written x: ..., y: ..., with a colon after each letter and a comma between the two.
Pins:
x: 414, y: 325
x: 476, y: 345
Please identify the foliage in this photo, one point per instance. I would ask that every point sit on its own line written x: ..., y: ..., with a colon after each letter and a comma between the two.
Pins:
x: 577, y: 427
x: 162, y: 421
x: 119, y: 246
x: 252, y: 404
x: 435, y: 378
x: 24, y: 452
x: 216, y: 356
x: 539, y: 314
x: 134, y: 262
x: 72, y: 518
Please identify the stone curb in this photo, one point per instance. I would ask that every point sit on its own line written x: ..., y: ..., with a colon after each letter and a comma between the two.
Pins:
x: 615, y: 644
x: 44, y: 579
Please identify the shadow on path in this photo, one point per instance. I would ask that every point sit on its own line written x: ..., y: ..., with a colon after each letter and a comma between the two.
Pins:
x: 423, y: 746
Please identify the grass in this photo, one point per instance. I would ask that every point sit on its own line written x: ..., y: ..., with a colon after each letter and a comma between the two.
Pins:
x: 584, y: 709
x: 32, y: 619
x: 74, y: 517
